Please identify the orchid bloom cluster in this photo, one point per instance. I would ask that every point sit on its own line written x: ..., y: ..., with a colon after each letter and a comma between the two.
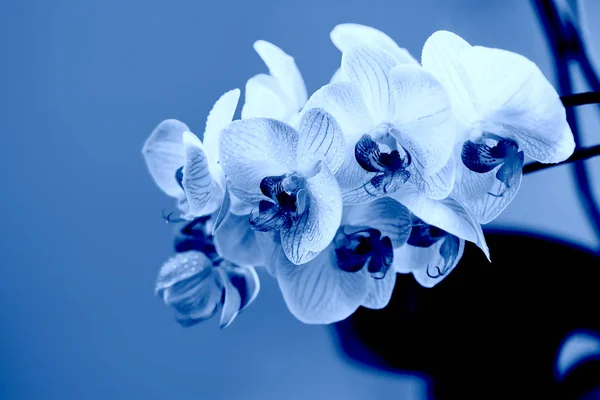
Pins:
x: 387, y: 169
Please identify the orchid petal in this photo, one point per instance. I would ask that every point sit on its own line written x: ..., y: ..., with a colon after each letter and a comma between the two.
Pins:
x: 423, y: 121
x: 219, y: 117
x: 440, y: 56
x: 484, y: 195
x: 236, y: 242
x: 223, y: 211
x: 164, y: 155
x: 448, y: 215
x: 345, y: 103
x: 186, y: 282
x: 380, y: 291
x: 338, y: 76
x: 254, y: 149
x: 241, y: 288
x: 512, y: 92
x: 436, y: 186
x: 319, y: 292
x: 318, y: 224
x: 346, y: 36
x: 425, y: 262
x: 369, y: 68
x: 264, y: 99
x: 386, y: 215
x: 283, y: 68
x: 202, y: 193
x: 321, y: 139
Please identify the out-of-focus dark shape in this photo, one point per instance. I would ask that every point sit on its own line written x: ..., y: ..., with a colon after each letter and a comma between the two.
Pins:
x: 566, y: 34
x: 489, y: 329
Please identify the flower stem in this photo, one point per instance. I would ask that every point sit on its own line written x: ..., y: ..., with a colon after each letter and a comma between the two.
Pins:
x: 580, y: 99
x: 578, y: 155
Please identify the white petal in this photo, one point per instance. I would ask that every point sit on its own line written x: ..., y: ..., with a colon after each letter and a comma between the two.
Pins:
x: 344, y: 101
x: 440, y: 56
x: 255, y: 148
x: 242, y: 207
x: 421, y: 261
x: 187, y: 283
x: 436, y: 186
x: 317, y: 226
x: 338, y: 76
x: 202, y: 193
x: 236, y: 242
x: 223, y: 211
x: 352, y: 178
x: 346, y: 36
x: 380, y: 291
x: 269, y: 244
x: 319, y: 292
x: 321, y: 139
x: 219, y: 117
x: 265, y: 99
x: 164, y: 155
x: 283, y: 67
x: 387, y: 215
x: 512, y: 91
x: 423, y: 120
x: 473, y: 190
x: 241, y: 288
x: 448, y: 215
x: 369, y: 68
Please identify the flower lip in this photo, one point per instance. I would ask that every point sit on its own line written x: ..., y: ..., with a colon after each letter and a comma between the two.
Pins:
x: 390, y: 167
x: 287, y: 202
x: 423, y: 234
x: 357, y: 246
x: 481, y: 157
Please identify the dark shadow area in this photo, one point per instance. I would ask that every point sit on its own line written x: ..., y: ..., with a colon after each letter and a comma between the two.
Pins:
x: 488, y: 330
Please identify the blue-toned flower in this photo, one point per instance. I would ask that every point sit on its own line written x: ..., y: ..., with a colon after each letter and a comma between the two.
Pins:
x: 185, y: 167
x: 509, y: 110
x: 346, y: 36
x: 288, y: 176
x: 197, y: 281
x: 354, y: 270
x: 279, y: 95
x: 437, y: 239
x: 398, y: 125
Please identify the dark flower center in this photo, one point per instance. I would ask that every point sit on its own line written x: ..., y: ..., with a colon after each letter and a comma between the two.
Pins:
x: 480, y: 157
x: 287, y: 200
x: 356, y: 247
x: 390, y: 167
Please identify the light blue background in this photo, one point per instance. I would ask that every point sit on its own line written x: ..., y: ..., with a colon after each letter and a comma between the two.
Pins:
x: 82, y: 84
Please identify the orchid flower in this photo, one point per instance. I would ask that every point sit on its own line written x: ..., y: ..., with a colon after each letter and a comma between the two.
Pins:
x: 354, y: 270
x: 509, y: 110
x: 346, y: 36
x: 436, y: 243
x: 288, y: 176
x: 398, y: 126
x: 185, y: 167
x: 279, y: 95
x: 197, y: 281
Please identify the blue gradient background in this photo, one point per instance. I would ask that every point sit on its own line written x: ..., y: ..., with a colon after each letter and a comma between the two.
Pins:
x: 82, y: 84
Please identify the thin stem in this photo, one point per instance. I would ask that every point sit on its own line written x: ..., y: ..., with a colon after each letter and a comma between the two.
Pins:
x: 580, y: 99
x: 578, y: 155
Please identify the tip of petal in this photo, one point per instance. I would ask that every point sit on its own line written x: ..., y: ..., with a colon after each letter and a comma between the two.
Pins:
x: 190, y: 139
x: 267, y: 50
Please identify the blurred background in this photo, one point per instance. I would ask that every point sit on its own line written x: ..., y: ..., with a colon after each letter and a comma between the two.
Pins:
x: 82, y: 84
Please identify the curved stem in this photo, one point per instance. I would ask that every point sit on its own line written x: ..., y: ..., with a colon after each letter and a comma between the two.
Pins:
x: 567, y: 45
x: 578, y: 155
x: 580, y: 99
